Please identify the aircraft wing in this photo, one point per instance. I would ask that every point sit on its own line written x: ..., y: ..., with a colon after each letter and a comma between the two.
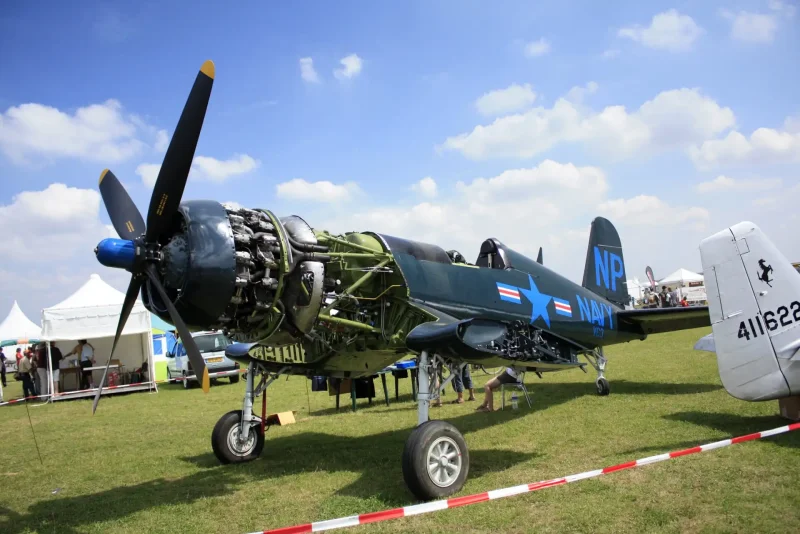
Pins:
x: 657, y: 320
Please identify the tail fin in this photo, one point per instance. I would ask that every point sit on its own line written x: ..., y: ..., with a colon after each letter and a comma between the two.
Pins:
x: 604, y: 273
x: 539, y: 258
x: 754, y: 304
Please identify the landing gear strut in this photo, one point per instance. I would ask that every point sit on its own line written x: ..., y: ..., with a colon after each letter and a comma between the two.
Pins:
x: 237, y: 436
x: 598, y: 361
x: 435, y: 457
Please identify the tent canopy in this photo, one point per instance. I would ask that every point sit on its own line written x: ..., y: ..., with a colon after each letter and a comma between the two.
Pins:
x: 92, y: 312
x: 17, y: 327
x: 681, y: 276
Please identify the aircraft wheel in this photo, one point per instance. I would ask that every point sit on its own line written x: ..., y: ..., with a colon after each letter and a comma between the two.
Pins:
x: 435, y: 460
x: 603, y: 388
x: 228, y: 448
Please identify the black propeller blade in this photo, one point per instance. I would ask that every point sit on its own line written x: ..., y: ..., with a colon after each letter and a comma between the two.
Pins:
x: 164, y: 203
x: 539, y: 259
x: 127, y: 220
x: 177, y: 162
x: 195, y: 358
x: 127, y: 306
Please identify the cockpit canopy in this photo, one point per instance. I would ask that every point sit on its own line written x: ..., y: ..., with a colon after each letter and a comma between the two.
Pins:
x: 494, y: 254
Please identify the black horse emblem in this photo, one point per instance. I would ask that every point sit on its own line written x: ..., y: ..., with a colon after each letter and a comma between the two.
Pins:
x: 765, y: 270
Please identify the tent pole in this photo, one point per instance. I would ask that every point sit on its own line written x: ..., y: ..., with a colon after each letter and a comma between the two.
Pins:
x: 49, y: 373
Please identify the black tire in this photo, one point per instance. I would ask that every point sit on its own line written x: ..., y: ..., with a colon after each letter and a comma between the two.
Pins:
x: 415, y: 460
x: 235, y: 378
x: 228, y: 424
x: 603, y: 388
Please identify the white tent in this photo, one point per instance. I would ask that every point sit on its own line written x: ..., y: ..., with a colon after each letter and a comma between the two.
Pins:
x: 636, y: 288
x: 16, y: 325
x: 92, y: 313
x: 17, y: 329
x: 681, y: 278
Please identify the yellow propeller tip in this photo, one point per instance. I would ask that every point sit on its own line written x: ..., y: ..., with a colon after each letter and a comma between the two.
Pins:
x: 102, y: 175
x: 208, y: 69
x: 206, y: 381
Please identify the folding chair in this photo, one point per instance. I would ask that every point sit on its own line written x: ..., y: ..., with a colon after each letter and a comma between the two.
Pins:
x: 519, y: 384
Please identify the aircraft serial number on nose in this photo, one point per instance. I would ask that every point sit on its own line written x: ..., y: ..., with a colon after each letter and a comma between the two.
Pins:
x: 783, y: 316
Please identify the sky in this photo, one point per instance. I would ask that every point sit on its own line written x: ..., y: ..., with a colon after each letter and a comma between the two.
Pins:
x: 446, y: 121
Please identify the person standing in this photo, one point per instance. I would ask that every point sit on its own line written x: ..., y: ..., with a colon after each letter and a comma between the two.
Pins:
x: 463, y: 378
x: 3, y: 368
x: 41, y: 369
x: 86, y: 351
x: 24, y: 370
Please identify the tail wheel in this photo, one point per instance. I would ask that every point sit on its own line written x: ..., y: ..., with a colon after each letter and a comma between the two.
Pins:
x: 435, y: 460
x: 226, y: 442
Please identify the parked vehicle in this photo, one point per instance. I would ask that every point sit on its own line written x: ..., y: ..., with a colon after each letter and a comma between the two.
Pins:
x: 212, y: 348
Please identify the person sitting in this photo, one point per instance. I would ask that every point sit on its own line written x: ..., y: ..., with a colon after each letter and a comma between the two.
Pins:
x: 508, y: 376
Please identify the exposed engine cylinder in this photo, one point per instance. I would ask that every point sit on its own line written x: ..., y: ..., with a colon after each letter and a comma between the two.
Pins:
x: 242, y: 271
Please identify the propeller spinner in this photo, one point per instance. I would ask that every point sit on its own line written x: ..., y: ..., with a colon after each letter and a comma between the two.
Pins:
x: 139, y: 249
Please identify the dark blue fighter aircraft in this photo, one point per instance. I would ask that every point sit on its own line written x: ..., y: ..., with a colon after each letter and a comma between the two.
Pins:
x: 303, y: 301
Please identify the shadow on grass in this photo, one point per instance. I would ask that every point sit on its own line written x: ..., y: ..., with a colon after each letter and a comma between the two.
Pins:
x: 543, y: 395
x: 68, y: 514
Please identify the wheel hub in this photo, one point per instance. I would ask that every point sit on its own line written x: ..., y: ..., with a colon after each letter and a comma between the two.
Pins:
x: 239, y: 447
x: 444, y: 462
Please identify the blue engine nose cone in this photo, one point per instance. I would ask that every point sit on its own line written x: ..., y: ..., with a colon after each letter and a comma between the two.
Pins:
x: 117, y: 253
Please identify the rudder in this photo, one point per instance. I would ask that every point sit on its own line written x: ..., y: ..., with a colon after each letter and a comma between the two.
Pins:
x: 604, y: 273
x: 754, y: 303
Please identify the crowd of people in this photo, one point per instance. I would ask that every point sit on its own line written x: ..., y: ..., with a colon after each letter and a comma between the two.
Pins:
x: 33, y: 372
x: 666, y: 298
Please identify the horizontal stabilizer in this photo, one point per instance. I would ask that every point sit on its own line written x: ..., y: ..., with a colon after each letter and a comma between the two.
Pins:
x: 657, y: 320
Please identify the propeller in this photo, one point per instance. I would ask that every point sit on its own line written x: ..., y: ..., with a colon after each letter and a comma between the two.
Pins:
x: 164, y: 202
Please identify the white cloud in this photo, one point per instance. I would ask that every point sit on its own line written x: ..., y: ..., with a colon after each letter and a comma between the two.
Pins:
x: 550, y: 204
x: 651, y: 210
x: 513, y: 98
x: 59, y: 221
x: 351, y: 67
x: 764, y: 146
x: 758, y: 27
x: 752, y: 27
x: 672, y: 119
x: 425, y: 187
x: 100, y: 133
x: 148, y: 172
x: 725, y: 183
x: 611, y: 53
x: 765, y: 201
x: 217, y: 170
x: 321, y: 191
x: 537, y: 48
x: 307, y: 71
x: 204, y: 168
x: 669, y: 30
x: 162, y: 141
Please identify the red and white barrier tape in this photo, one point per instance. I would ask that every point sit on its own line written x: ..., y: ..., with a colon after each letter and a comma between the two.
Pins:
x: 434, y: 506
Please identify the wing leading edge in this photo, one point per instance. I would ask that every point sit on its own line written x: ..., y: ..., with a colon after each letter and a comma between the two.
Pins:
x: 658, y: 320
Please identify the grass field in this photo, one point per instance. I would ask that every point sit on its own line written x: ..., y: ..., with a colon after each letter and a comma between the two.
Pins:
x: 143, y: 463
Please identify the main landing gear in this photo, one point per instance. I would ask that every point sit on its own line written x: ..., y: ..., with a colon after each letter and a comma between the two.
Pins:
x: 238, y: 436
x: 435, y: 457
x: 598, y: 361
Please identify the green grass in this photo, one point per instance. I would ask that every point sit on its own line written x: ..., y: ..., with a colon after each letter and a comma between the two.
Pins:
x: 143, y: 463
